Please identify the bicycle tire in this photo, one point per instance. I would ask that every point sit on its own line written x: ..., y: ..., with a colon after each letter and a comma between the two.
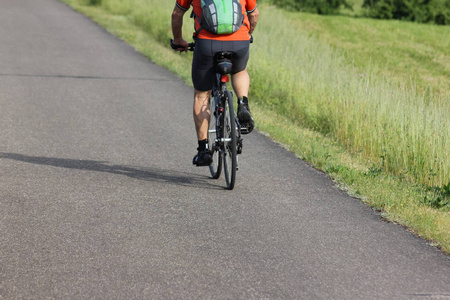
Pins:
x: 213, y: 137
x: 229, y: 152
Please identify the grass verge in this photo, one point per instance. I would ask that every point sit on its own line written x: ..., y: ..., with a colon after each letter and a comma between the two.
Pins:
x: 400, y: 199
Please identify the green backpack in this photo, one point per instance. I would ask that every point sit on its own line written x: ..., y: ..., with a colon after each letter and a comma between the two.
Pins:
x: 221, y: 16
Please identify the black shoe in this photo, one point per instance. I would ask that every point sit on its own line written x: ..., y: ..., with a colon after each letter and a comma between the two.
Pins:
x: 245, y: 117
x: 203, y: 158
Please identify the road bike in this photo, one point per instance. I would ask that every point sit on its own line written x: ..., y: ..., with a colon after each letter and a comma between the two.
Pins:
x: 224, y: 133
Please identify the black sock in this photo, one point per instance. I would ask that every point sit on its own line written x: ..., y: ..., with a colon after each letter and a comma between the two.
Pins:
x: 202, y: 144
x: 243, y: 100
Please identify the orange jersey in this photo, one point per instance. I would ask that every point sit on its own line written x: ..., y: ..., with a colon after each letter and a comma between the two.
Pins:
x: 240, y: 35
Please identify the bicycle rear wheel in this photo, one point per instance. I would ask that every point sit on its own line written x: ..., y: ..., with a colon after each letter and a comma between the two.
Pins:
x: 229, y: 141
x: 213, y: 142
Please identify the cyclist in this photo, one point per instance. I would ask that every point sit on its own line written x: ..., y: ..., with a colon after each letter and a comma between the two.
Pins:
x: 203, y: 72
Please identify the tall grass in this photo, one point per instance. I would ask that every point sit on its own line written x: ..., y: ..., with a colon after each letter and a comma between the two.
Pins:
x: 401, y: 130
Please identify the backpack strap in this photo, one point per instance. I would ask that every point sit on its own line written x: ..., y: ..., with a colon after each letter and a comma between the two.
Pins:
x: 195, y: 17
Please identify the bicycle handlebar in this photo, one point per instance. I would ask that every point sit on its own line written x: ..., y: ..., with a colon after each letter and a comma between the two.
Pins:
x: 191, y: 46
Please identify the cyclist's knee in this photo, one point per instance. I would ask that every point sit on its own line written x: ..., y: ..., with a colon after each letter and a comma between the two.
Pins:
x: 201, y: 97
x: 198, y: 95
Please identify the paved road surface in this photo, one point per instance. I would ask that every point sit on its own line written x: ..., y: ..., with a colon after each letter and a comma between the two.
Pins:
x: 98, y: 197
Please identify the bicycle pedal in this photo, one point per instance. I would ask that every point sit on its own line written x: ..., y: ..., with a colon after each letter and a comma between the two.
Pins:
x: 244, y: 130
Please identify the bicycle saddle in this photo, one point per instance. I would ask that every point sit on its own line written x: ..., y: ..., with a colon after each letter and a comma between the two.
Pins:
x: 223, y: 61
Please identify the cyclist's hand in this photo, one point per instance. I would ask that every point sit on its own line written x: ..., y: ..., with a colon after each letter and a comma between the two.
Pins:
x: 179, y: 45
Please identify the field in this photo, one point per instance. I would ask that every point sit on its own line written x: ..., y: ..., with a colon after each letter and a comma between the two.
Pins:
x: 367, y: 101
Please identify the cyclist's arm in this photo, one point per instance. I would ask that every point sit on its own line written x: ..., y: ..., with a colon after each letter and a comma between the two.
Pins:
x: 253, y: 19
x: 177, y: 25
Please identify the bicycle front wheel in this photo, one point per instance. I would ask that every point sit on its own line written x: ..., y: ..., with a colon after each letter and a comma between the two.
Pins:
x: 214, y: 142
x: 229, y: 141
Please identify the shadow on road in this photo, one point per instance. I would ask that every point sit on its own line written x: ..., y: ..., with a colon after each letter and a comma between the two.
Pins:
x: 150, y: 174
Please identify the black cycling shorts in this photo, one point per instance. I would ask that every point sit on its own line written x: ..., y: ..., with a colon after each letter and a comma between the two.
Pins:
x: 203, y: 71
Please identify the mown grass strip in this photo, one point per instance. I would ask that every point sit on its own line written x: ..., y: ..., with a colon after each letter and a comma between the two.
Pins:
x: 402, y: 51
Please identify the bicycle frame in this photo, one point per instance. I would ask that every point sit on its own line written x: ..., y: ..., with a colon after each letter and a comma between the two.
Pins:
x: 218, y: 94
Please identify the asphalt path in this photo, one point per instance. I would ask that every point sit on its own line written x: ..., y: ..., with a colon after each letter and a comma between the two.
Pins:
x: 99, y: 199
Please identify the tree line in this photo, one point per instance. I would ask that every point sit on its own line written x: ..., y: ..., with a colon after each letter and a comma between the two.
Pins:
x: 421, y: 11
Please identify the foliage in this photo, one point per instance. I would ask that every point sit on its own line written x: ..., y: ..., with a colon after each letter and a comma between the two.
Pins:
x: 421, y: 11
x: 321, y: 7
x: 437, y: 197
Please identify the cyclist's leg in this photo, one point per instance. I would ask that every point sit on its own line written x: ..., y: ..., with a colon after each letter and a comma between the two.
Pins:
x: 201, y: 113
x: 203, y: 75
x: 203, y: 80
x: 241, y: 83
x: 201, y: 119
x: 240, y: 78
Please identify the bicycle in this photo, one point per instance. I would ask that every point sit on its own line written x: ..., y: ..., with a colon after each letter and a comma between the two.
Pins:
x: 224, y: 133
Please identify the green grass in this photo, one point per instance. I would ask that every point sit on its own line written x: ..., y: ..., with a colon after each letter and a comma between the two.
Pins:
x: 403, y: 51
x: 385, y: 120
x: 357, y: 98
